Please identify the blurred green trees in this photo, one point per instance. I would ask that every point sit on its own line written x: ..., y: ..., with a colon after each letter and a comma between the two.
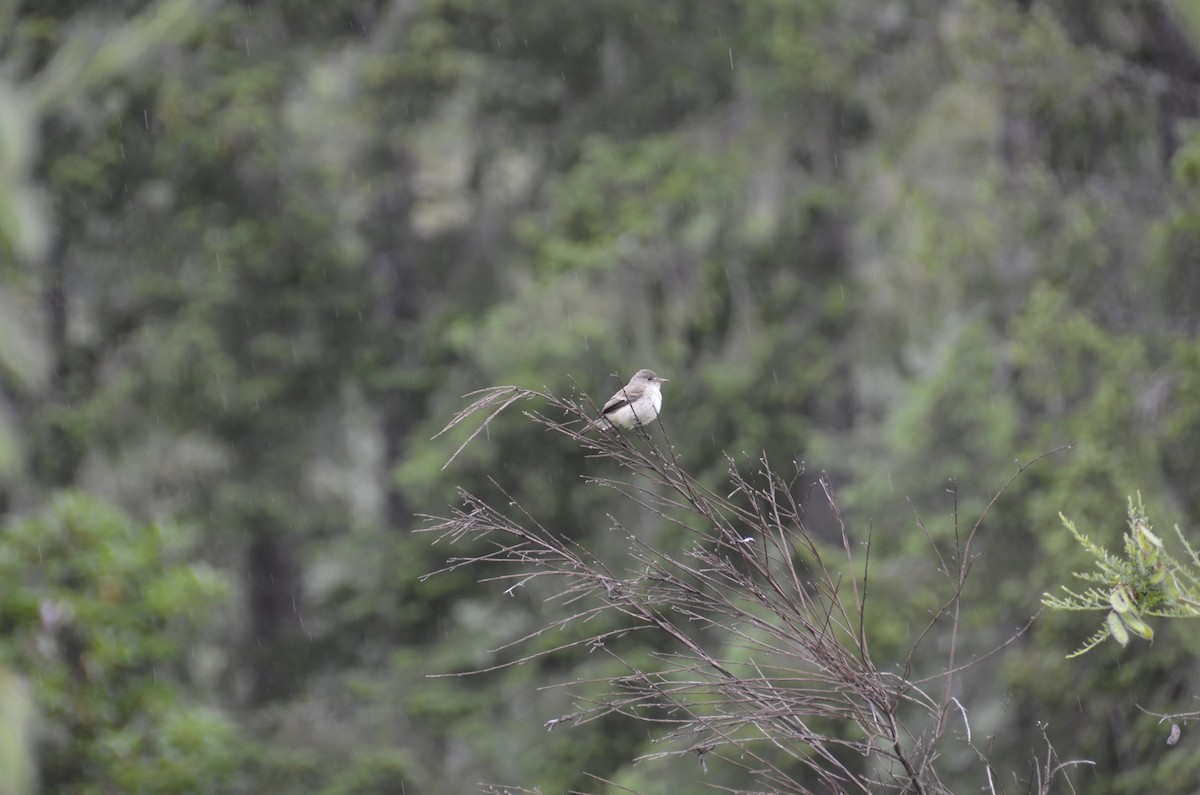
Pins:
x: 254, y: 254
x: 101, y: 614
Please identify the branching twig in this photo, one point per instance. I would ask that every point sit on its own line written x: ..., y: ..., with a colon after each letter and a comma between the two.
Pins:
x: 792, y: 687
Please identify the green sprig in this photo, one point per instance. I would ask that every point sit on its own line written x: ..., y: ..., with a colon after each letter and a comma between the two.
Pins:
x: 1146, y: 581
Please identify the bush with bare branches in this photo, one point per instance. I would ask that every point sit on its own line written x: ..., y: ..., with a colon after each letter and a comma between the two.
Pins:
x: 792, y: 693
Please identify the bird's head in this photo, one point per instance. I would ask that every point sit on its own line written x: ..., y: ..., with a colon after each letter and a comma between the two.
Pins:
x: 649, y: 377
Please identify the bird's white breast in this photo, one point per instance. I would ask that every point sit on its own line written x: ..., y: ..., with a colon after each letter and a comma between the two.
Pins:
x: 641, y: 411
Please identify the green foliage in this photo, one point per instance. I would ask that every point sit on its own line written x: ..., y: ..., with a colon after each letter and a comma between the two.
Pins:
x: 24, y: 233
x: 17, y: 718
x: 378, y: 773
x: 101, y: 614
x: 1147, y: 581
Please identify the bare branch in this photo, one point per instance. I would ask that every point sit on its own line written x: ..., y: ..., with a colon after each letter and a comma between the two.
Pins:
x: 769, y: 666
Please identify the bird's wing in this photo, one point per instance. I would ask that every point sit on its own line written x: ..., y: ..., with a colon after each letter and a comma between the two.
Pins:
x: 615, y: 402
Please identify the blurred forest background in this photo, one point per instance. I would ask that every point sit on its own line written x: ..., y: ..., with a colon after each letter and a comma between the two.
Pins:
x: 253, y: 254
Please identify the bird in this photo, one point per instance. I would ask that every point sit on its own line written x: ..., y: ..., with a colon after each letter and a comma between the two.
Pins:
x: 635, y: 404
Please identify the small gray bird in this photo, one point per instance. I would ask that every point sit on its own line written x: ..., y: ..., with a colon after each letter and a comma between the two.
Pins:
x: 637, y: 403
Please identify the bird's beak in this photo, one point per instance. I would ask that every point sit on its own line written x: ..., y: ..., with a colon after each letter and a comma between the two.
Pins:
x: 664, y: 380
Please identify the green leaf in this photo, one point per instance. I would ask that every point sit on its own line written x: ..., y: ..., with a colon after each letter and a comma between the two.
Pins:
x: 1137, y: 626
x: 1118, y: 600
x: 1117, y: 627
